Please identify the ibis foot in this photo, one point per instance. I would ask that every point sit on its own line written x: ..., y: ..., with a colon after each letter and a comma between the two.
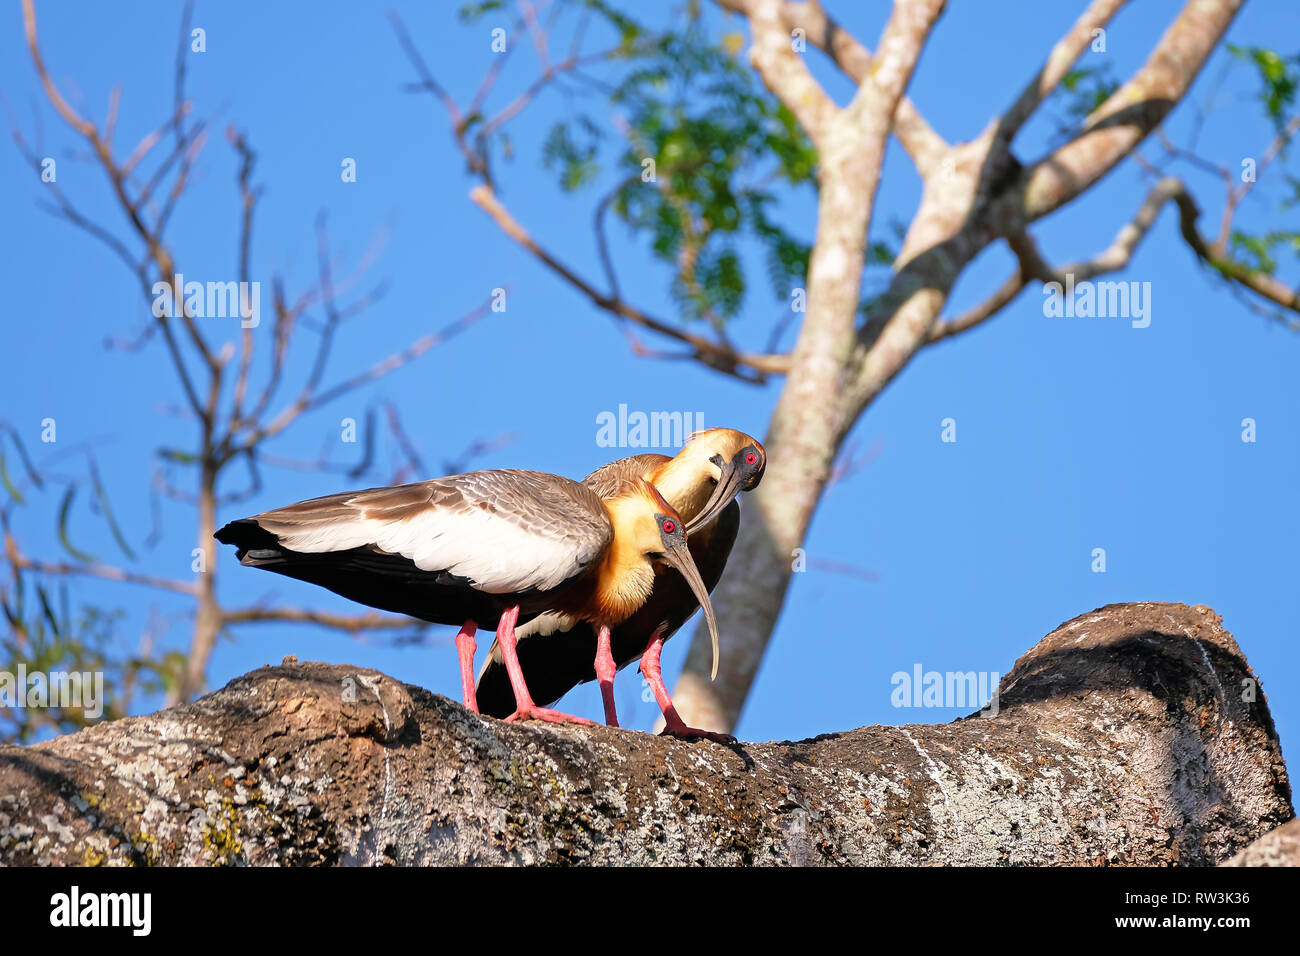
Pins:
x: 682, y: 732
x: 525, y: 709
x: 550, y: 716
x: 674, y: 726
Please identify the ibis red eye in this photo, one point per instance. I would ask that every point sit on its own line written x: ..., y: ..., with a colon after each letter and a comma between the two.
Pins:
x: 669, y: 527
x: 751, y: 458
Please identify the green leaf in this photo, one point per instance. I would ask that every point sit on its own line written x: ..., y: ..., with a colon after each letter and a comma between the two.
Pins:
x: 1261, y: 251
x: 1279, y: 79
x: 9, y: 485
x: 881, y: 254
x: 32, y: 473
x: 716, y: 138
x: 1082, y: 90
x: 65, y: 509
x: 574, y: 154
x: 473, y: 11
x: 47, y: 611
x: 175, y: 455
x: 102, y: 496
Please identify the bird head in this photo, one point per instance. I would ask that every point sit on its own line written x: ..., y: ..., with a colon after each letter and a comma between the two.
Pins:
x: 732, y: 460
x: 657, y: 532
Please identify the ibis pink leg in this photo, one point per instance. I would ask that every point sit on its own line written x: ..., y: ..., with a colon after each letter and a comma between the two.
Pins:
x: 525, y: 709
x: 605, y: 671
x: 674, y: 726
x: 465, y: 647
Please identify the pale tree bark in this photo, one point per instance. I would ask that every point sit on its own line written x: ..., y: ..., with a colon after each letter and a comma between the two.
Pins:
x: 973, y: 194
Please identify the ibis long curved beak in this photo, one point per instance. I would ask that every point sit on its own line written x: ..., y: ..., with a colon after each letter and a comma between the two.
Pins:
x: 728, y: 487
x: 679, y: 556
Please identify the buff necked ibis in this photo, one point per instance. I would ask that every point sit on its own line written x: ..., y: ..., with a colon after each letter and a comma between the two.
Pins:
x: 557, y: 652
x: 486, y: 546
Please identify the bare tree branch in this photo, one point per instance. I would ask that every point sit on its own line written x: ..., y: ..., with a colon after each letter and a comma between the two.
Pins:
x: 70, y: 116
x: 104, y: 572
x: 1127, y: 116
x: 719, y: 357
x: 784, y: 71
x: 248, y: 202
x: 310, y: 399
x: 1004, y: 296
x: 1238, y: 191
x: 351, y: 623
x: 923, y: 144
x: 1031, y: 265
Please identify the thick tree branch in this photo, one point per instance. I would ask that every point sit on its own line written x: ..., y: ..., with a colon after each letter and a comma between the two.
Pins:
x: 784, y: 72
x: 923, y: 144
x: 1127, y: 116
x: 1279, y: 847
x: 810, y: 419
x: 904, y: 37
x: 1032, y: 266
x: 1059, y: 63
x: 1122, y: 738
x: 952, y: 225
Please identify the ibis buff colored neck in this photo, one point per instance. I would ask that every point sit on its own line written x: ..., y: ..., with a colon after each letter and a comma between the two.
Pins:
x: 679, y: 481
x: 625, y: 576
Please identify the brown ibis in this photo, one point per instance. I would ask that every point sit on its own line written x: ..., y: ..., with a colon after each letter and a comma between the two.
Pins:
x: 557, y: 651
x: 465, y: 550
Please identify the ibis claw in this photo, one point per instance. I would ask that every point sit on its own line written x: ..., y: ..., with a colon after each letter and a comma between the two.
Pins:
x: 682, y: 732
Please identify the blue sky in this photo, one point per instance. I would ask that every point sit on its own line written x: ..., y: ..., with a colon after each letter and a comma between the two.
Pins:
x: 1072, y: 434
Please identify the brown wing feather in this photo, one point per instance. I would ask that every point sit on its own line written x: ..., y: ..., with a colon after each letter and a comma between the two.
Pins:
x: 608, y: 480
x: 446, y: 550
x: 548, y: 506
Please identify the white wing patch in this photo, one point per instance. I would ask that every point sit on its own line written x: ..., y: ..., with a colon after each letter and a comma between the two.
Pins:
x: 496, y: 554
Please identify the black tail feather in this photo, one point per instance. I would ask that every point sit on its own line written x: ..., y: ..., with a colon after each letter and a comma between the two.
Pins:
x: 375, y: 578
x: 247, y: 535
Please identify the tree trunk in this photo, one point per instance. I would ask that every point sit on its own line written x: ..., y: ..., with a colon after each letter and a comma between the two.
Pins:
x: 207, y: 615
x: 1122, y: 737
x: 824, y: 395
x: 803, y: 437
